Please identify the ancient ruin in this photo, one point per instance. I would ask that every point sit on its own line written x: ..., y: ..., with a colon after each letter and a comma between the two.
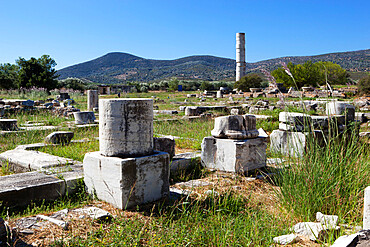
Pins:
x: 240, y: 56
x: 234, y: 145
x: 127, y: 171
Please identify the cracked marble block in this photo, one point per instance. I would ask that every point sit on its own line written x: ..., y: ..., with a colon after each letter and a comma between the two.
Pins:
x: 234, y: 145
x: 229, y: 155
x: 126, y: 171
x: 235, y: 127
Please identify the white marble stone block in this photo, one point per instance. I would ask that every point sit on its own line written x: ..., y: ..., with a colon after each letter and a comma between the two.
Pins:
x: 233, y: 155
x: 126, y: 127
x: 127, y: 182
x: 92, y: 99
x: 341, y: 108
x: 292, y: 143
x: 84, y: 117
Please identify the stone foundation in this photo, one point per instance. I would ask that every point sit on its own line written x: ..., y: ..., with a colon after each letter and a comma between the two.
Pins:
x: 233, y: 155
x: 292, y: 143
x: 127, y: 182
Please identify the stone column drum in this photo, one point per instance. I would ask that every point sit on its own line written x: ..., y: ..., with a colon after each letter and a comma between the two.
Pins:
x: 92, y: 99
x: 126, y: 127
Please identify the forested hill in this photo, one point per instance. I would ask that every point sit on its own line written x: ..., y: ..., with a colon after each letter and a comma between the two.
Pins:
x: 118, y: 67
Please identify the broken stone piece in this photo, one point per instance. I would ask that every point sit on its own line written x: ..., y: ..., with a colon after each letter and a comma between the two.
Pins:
x: 59, y: 137
x: 346, y: 240
x: 84, y: 117
x: 235, y: 127
x: 295, y: 119
x: 61, y: 223
x: 229, y: 126
x: 286, y: 239
x: 165, y: 144
x: 341, y: 108
x: 314, y: 231
x: 329, y: 221
x: 8, y: 124
x: 98, y: 213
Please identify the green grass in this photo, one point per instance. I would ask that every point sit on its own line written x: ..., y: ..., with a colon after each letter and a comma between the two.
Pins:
x: 191, y: 132
x: 330, y: 180
x: 225, y: 220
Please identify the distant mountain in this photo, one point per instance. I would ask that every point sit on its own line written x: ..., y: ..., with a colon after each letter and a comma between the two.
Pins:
x: 120, y: 67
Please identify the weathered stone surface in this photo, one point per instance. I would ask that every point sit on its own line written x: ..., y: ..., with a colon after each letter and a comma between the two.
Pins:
x: 165, y: 144
x: 340, y: 108
x: 329, y: 221
x: 233, y: 155
x: 60, y: 223
x: 286, y: 239
x: 229, y: 126
x: 292, y: 143
x: 96, y: 213
x: 235, y: 127
x: 127, y: 182
x: 234, y: 111
x: 84, y: 117
x: 192, y: 111
x: 363, y: 238
x: 8, y: 124
x: 92, y: 99
x: 183, y: 161
x: 22, y: 188
x: 360, y: 117
x: 314, y: 231
x: 346, y: 241
x: 295, y: 118
x: 59, y: 137
x: 366, y: 217
x: 219, y: 94
x: 28, y: 160
x: 126, y: 127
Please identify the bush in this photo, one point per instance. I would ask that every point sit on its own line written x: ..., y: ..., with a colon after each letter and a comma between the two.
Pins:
x: 364, y: 85
x: 248, y: 81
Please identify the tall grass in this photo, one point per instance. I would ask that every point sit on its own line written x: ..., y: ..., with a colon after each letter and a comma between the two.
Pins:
x: 226, y: 220
x: 329, y: 179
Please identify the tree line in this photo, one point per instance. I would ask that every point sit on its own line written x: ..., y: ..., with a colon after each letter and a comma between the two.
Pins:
x: 34, y: 72
x: 299, y: 75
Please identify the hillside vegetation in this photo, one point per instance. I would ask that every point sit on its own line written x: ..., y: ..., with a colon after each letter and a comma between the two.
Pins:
x: 119, y: 67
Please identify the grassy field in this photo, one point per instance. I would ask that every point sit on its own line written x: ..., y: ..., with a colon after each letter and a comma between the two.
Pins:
x: 235, y: 211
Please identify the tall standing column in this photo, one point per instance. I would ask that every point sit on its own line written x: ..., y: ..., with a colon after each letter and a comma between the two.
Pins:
x: 240, y: 56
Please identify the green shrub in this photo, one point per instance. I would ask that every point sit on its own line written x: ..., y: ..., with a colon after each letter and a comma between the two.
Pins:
x: 364, y: 85
x: 248, y: 81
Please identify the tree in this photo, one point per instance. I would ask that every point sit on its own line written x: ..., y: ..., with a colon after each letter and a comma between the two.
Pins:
x: 173, y: 84
x: 364, y: 85
x: 37, y: 72
x: 206, y: 85
x: 8, y: 76
x: 311, y: 74
x: 72, y: 83
x: 248, y: 81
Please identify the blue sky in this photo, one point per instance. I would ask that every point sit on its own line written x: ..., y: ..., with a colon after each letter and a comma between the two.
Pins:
x: 76, y: 31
